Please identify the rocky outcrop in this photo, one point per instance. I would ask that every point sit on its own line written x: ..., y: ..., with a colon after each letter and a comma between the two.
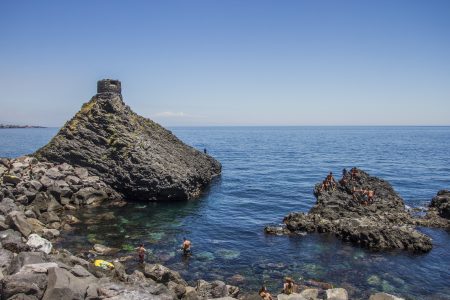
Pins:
x: 380, y: 223
x: 137, y: 157
x: 441, y: 203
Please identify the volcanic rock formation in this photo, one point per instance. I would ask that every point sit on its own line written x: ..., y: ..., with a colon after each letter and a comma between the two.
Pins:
x: 379, y: 225
x: 441, y: 203
x: 136, y: 156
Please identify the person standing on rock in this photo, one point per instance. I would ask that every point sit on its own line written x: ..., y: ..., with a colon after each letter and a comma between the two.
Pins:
x: 288, y: 287
x: 186, y: 247
x: 331, y: 181
x: 264, y: 293
x: 141, y: 253
x: 30, y: 171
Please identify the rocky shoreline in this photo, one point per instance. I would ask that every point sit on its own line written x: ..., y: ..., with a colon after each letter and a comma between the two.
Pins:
x: 36, y: 201
x: 382, y: 223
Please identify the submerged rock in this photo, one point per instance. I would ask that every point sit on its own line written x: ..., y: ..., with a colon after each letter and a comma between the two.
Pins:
x: 384, y: 296
x: 228, y: 254
x: 134, y: 155
x: 380, y: 224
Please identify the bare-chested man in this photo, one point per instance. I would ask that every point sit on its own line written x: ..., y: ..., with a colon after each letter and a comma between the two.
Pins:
x: 186, y: 246
x: 141, y: 253
x: 370, y: 194
x: 264, y: 293
x: 330, y: 180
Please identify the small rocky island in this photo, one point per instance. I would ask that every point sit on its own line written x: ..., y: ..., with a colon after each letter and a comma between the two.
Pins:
x: 379, y: 223
x: 137, y: 157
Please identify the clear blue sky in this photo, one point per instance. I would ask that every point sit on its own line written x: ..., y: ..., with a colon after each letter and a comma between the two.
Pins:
x: 230, y: 62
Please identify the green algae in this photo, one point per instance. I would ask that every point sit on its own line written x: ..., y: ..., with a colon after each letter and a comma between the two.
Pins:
x: 228, y: 254
x: 205, y: 256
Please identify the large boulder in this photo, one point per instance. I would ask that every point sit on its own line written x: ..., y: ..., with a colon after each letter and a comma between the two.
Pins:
x: 6, y: 258
x: 12, y: 241
x: 30, y: 284
x: 26, y: 258
x: 7, y: 205
x: 64, y: 285
x: 162, y: 274
x: 37, y: 243
x: 384, y: 296
x: 17, y: 220
x: 134, y: 155
x: 337, y: 294
x: 215, y: 289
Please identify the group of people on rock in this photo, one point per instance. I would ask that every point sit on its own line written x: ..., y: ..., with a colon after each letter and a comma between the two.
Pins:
x: 288, y: 288
x: 362, y: 196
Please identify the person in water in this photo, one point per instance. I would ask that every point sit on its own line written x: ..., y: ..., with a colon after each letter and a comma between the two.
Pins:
x: 288, y: 286
x: 186, y: 246
x: 264, y: 293
x: 141, y: 253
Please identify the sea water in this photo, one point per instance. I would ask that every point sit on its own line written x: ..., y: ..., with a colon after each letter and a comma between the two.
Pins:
x: 267, y: 173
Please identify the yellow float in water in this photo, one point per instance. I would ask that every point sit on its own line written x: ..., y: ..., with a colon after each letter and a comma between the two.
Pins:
x: 103, y: 264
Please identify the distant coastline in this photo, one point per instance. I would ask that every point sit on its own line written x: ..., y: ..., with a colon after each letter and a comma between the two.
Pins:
x: 3, y: 126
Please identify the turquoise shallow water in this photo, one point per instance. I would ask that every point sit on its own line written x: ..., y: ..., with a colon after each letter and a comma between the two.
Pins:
x: 268, y: 172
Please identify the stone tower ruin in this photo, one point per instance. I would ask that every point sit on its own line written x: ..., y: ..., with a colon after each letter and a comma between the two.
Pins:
x: 109, y: 86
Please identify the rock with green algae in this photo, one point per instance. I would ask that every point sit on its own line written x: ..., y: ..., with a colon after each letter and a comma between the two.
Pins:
x: 386, y: 286
x: 205, y: 256
x: 374, y: 280
x: 136, y: 156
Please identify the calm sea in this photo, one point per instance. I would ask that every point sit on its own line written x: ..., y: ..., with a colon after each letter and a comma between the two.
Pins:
x: 268, y: 172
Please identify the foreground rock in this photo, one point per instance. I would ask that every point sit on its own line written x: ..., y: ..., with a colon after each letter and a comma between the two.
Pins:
x: 379, y: 225
x: 137, y: 157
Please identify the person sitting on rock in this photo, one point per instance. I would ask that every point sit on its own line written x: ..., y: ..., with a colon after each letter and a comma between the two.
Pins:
x: 264, y: 293
x: 370, y: 194
x: 9, y: 166
x: 288, y: 286
x: 324, y: 186
x: 353, y: 173
x: 186, y: 246
x: 356, y: 194
x: 141, y: 253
